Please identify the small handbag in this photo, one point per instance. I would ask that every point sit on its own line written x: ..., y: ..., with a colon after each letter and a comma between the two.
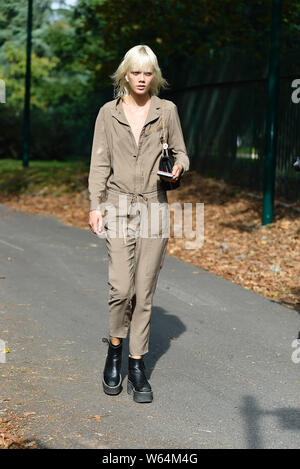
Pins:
x: 167, y: 159
x: 296, y: 165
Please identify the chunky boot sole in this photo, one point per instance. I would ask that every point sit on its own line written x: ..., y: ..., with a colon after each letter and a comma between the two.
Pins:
x: 139, y: 396
x: 112, y: 390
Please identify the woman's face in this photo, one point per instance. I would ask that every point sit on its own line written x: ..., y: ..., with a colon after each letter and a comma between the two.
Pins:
x: 140, y: 81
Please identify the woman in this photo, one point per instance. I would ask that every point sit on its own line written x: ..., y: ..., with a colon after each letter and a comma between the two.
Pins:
x: 127, y: 147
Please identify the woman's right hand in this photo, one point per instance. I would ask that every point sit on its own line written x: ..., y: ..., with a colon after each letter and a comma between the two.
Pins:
x: 96, y: 221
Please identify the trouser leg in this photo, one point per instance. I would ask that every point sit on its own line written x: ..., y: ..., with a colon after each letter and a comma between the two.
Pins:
x: 134, y: 266
x: 121, y: 270
x: 150, y: 254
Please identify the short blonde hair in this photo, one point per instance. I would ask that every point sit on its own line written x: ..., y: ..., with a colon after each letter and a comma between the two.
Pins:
x: 141, y: 56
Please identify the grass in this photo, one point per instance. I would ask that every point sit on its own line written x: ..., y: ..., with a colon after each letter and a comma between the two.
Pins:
x: 42, y: 177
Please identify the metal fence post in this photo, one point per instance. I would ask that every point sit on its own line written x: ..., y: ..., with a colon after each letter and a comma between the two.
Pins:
x: 271, y: 124
x: 26, y: 123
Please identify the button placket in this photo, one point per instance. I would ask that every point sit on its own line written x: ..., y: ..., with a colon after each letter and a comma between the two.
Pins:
x: 139, y: 177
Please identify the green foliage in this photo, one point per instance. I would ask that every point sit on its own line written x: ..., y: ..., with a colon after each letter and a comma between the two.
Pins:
x: 74, y: 50
x: 13, y: 71
x: 188, y: 30
x: 60, y: 97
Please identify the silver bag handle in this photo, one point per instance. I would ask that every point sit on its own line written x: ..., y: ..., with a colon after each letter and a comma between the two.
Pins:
x: 164, y: 143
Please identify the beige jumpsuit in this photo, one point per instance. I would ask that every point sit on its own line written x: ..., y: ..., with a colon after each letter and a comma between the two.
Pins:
x: 123, y: 184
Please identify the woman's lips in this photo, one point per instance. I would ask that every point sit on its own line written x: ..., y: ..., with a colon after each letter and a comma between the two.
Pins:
x: 141, y: 87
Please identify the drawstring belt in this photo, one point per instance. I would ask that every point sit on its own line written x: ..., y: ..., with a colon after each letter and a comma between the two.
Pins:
x: 133, y: 197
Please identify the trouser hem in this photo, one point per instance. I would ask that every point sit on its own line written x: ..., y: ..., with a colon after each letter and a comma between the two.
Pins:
x: 121, y: 335
x: 142, y: 352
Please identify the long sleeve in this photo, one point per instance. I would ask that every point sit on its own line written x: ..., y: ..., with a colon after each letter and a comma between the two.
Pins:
x: 100, y: 165
x: 176, y: 140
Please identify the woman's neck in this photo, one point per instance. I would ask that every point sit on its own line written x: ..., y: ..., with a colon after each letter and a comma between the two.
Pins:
x: 136, y: 100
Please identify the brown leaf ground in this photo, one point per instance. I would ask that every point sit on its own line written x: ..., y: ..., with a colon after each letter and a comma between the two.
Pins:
x: 11, y: 428
x: 231, y: 217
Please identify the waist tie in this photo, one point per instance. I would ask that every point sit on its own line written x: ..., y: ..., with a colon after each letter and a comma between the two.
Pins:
x: 133, y: 197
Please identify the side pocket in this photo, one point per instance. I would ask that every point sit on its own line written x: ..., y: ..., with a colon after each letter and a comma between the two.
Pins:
x: 158, y: 220
x: 164, y: 254
x: 110, y: 216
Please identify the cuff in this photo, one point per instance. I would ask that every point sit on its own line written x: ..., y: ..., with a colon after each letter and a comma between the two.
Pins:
x: 96, y: 203
x: 183, y: 164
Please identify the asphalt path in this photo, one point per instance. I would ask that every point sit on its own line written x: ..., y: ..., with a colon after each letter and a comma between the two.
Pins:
x: 220, y: 361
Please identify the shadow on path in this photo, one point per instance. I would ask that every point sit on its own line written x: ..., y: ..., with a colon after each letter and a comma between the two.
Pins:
x: 287, y: 418
x: 164, y: 328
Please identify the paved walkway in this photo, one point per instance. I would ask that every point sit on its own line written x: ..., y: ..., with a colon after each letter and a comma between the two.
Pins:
x: 219, y: 363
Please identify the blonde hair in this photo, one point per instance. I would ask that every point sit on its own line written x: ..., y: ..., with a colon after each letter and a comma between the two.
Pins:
x: 141, y: 56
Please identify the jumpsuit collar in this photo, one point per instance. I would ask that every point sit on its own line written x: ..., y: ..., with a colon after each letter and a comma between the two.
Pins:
x: 155, y: 105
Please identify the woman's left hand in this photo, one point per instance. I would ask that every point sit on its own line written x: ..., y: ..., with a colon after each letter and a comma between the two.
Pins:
x: 177, y: 168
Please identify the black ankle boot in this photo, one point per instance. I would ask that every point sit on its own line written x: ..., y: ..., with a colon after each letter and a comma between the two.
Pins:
x: 112, y: 379
x: 137, y: 383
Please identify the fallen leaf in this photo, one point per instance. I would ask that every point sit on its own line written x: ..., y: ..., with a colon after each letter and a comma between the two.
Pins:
x: 28, y: 413
x: 95, y: 417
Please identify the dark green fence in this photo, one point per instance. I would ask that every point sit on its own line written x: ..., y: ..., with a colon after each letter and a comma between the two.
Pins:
x: 224, y: 125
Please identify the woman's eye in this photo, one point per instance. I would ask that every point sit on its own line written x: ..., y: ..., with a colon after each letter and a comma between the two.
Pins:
x: 146, y: 73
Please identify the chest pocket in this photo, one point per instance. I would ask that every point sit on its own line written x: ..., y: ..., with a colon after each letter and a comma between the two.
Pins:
x: 155, y: 128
